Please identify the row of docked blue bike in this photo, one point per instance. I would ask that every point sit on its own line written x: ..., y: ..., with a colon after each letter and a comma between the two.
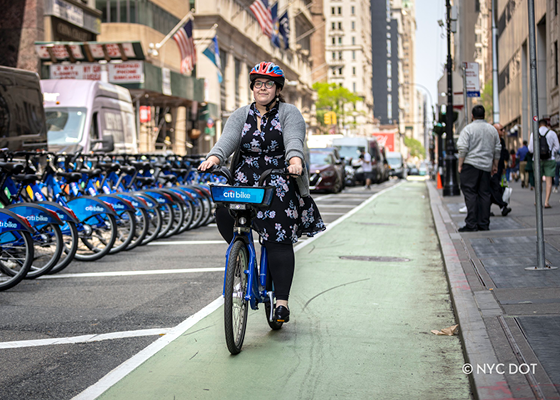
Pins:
x: 55, y: 208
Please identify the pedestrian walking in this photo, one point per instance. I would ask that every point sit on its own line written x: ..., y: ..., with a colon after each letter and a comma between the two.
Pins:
x: 521, y: 159
x: 496, y: 179
x: 479, y: 152
x: 367, y: 168
x: 549, y: 146
x: 513, y: 167
x: 269, y: 134
x: 557, y: 173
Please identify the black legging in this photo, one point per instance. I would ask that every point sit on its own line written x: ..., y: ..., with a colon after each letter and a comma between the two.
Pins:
x: 281, y: 259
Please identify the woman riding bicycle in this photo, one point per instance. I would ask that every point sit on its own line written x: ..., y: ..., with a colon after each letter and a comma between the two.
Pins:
x: 269, y: 134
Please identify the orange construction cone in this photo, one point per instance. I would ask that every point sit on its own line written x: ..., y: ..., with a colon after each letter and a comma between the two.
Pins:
x: 439, y: 185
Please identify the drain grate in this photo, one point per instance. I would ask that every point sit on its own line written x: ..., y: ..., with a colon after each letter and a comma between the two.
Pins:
x: 374, y: 259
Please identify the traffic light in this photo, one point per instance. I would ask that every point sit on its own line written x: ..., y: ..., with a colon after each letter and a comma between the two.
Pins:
x: 438, y: 129
x: 333, y: 117
x: 443, y: 117
x: 327, y: 118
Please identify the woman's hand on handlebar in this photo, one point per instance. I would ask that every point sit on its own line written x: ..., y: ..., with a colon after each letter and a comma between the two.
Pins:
x: 296, y: 166
x: 209, y: 163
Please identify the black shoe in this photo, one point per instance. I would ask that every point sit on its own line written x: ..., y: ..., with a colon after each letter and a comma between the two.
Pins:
x: 492, y: 214
x: 281, y: 314
x: 483, y: 229
x: 467, y: 229
x: 505, y: 211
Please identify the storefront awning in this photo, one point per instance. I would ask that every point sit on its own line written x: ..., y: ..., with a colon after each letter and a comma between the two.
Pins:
x: 57, y: 52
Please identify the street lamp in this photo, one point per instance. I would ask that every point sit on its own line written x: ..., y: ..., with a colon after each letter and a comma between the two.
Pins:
x: 451, y: 187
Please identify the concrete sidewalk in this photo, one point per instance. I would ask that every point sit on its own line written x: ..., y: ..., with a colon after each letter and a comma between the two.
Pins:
x: 509, y: 316
x: 360, y: 329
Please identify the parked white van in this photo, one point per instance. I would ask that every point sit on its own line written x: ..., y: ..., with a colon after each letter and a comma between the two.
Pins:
x: 84, y: 115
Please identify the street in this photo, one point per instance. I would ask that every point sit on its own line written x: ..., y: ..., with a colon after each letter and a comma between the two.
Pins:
x: 61, y: 334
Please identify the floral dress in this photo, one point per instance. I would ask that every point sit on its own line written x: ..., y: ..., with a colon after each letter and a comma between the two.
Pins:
x: 289, y: 214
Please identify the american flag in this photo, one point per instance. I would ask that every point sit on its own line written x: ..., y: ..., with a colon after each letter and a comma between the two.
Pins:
x: 185, y: 42
x: 263, y: 15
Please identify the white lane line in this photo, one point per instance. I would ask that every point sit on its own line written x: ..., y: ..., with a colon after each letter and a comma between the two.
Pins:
x: 335, y: 206
x: 131, y: 364
x: 331, y: 213
x: 158, y: 243
x: 84, y: 338
x: 131, y: 273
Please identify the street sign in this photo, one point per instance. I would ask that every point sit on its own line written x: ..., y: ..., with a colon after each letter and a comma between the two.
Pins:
x: 472, y: 79
x: 210, y: 123
x: 145, y: 114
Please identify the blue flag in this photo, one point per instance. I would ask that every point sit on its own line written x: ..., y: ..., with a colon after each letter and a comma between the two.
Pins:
x: 213, y: 53
x: 275, y: 39
x: 285, y: 29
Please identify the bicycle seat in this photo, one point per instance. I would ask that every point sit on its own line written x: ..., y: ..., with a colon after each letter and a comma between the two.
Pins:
x: 168, y: 178
x: 140, y: 164
x: 70, y: 176
x: 26, y: 179
x: 148, y: 180
x: 92, y: 173
x: 109, y: 166
x: 13, y: 168
x: 127, y: 169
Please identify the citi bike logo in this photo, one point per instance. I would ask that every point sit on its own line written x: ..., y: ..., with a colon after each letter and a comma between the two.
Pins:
x: 118, y: 206
x: 94, y: 208
x: 8, y: 224
x: 231, y: 194
x: 37, y: 218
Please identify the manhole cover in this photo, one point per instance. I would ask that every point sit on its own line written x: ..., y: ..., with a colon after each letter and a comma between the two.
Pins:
x: 374, y: 259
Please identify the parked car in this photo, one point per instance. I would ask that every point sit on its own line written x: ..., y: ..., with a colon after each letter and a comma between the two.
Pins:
x: 413, y: 170
x: 351, y: 147
x: 22, y: 118
x: 325, y: 174
x: 396, y: 163
x: 423, y: 170
x: 339, y: 162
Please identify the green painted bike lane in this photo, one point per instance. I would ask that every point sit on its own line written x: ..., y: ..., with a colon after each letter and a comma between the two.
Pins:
x: 358, y: 329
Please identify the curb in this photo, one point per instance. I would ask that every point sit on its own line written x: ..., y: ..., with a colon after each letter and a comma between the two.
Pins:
x: 477, y: 347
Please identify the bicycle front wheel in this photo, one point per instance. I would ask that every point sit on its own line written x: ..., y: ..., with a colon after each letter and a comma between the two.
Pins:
x: 16, y: 256
x: 235, y: 305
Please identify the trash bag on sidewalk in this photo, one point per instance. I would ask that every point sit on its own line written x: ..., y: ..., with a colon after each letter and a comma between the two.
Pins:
x: 450, y: 331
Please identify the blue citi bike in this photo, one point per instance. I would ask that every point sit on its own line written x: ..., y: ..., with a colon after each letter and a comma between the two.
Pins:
x: 245, y: 284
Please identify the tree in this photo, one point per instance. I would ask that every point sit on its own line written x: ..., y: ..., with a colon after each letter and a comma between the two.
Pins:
x: 487, y: 101
x: 332, y: 97
x: 414, y: 147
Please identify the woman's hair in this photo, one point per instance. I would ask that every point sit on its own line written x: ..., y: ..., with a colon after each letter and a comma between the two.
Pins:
x: 281, y: 98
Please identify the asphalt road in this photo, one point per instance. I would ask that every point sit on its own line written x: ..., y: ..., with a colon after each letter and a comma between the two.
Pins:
x: 61, y: 334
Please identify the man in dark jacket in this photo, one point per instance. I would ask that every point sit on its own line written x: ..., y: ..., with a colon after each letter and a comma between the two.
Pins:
x: 495, y: 188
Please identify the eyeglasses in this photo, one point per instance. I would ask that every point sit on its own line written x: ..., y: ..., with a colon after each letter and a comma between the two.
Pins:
x: 267, y: 84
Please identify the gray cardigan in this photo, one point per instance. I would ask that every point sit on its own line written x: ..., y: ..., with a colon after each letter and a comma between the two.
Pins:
x: 293, y: 132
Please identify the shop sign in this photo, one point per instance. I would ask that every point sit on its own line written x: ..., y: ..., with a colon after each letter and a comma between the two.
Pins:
x: 60, y: 52
x: 386, y: 140
x: 472, y: 79
x: 145, y: 114
x: 76, y: 71
x: 68, y: 12
x: 113, y: 50
x: 126, y: 72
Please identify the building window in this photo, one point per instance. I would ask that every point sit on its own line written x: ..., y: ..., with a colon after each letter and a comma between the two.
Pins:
x: 353, y: 40
x: 390, y: 85
x: 333, y: 26
x: 353, y: 54
x: 340, y: 40
x: 477, y: 6
x: 237, y: 68
x: 340, y: 26
x: 353, y: 26
x: 340, y: 55
x: 388, y: 48
x: 333, y: 41
x: 340, y: 71
x: 353, y: 10
x: 354, y: 87
x: 333, y: 55
x: 137, y: 11
x: 332, y: 10
x: 389, y: 72
x: 353, y: 70
x: 339, y: 10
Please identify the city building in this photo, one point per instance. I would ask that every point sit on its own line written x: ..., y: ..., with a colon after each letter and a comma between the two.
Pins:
x: 349, y: 57
x: 242, y: 45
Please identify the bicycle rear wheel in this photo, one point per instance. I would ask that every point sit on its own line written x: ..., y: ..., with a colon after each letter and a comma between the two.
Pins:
x: 155, y: 223
x: 274, y: 325
x: 97, y: 236
x: 70, y: 239
x: 16, y: 256
x: 48, y: 243
x: 126, y: 228
x: 235, y: 305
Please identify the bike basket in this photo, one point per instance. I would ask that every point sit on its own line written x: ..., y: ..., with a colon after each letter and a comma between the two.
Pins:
x: 258, y: 196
